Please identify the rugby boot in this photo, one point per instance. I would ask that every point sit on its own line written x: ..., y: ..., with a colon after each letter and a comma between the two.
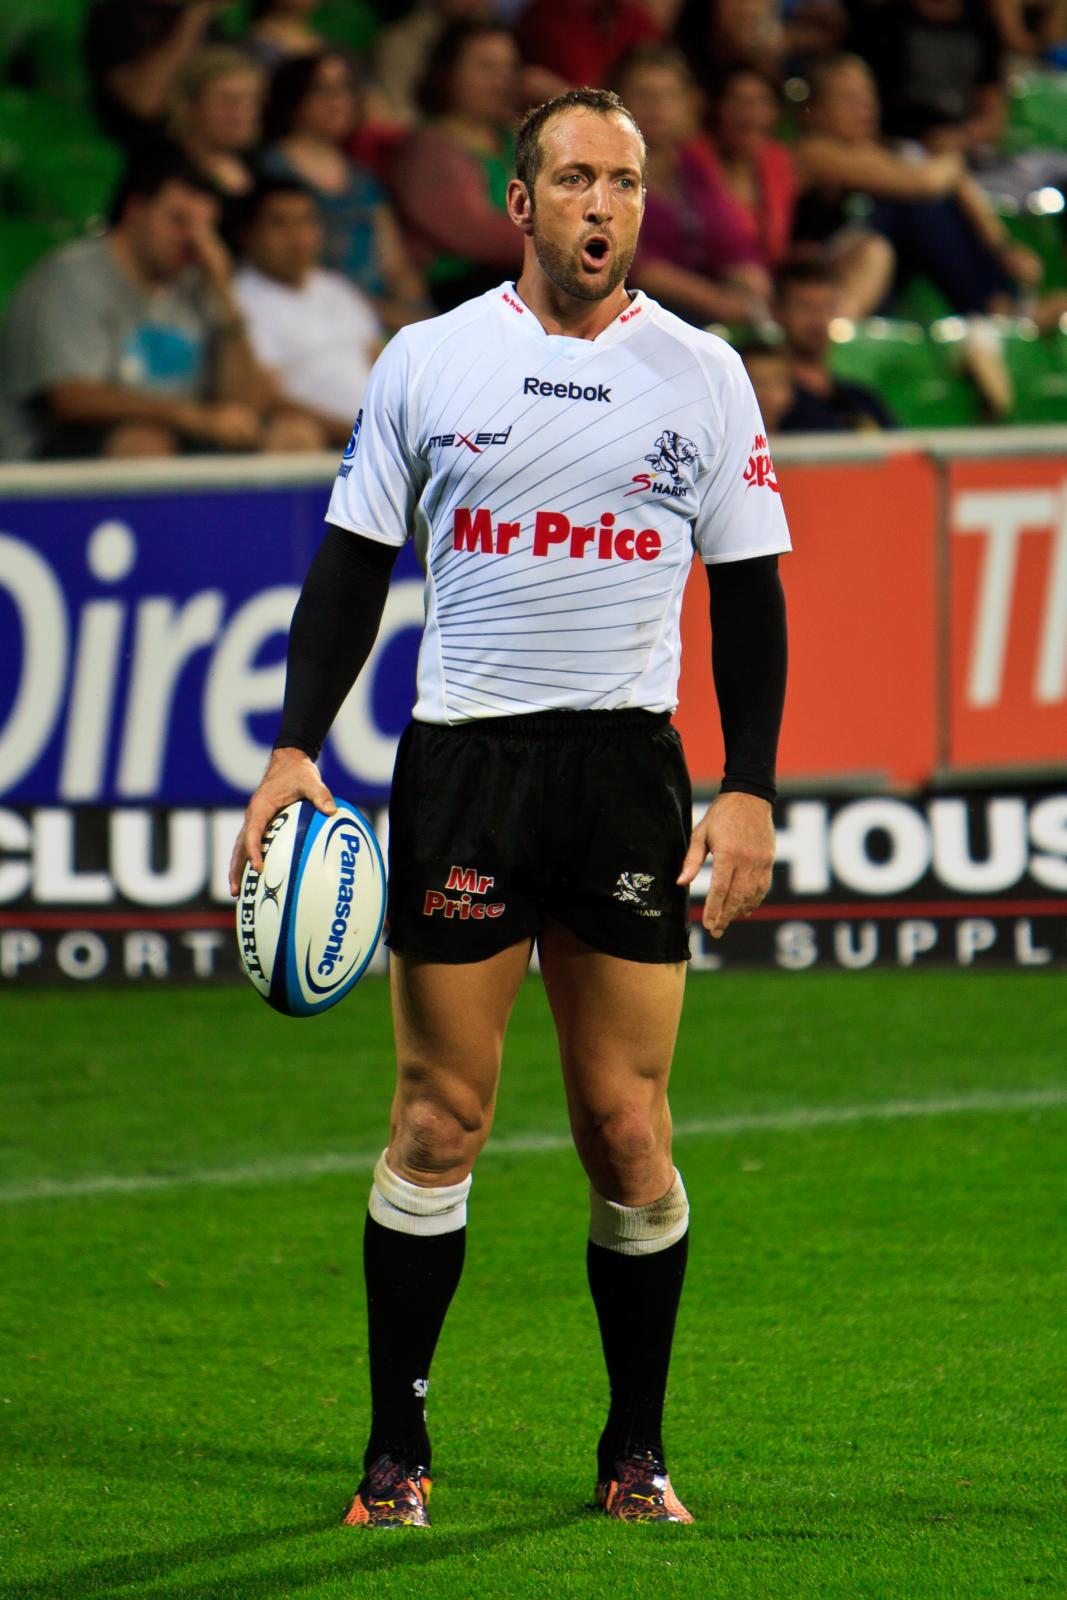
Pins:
x: 392, y: 1495
x: 640, y: 1491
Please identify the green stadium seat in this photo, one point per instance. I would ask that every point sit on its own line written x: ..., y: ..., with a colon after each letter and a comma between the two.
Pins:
x: 920, y: 378
x: 1035, y: 223
x: 1037, y: 110
x: 23, y: 241
x: 48, y: 55
x: 68, y: 183
x: 352, y: 24
x: 920, y: 300
x: 31, y: 121
x: 1038, y: 368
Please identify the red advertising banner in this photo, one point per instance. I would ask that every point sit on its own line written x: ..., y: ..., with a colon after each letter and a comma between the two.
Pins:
x: 861, y: 587
x: 1007, y: 533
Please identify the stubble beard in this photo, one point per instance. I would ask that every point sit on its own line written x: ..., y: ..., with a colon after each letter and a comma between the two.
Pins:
x: 563, y: 269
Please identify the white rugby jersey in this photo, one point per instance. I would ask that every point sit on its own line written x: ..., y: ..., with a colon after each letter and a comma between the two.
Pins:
x: 557, y: 489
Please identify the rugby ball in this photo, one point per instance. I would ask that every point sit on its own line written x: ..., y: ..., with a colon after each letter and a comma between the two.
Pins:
x: 308, y: 924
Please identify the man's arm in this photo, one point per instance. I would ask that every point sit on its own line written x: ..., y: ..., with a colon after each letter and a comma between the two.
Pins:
x: 143, y: 86
x: 91, y: 402
x: 333, y: 631
x: 749, y: 656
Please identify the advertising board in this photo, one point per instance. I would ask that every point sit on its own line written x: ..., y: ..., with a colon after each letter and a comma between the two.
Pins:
x: 142, y: 637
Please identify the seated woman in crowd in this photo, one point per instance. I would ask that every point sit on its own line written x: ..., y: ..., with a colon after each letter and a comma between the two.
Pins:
x: 311, y: 111
x: 698, y: 254
x: 214, y: 120
x: 755, y: 168
x: 760, y: 175
x: 450, y: 177
x: 928, y: 207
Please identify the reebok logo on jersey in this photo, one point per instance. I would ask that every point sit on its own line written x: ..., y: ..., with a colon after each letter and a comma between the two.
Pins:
x: 477, y: 532
x: 759, y: 474
x: 469, y: 882
x: 567, y: 391
x: 457, y: 440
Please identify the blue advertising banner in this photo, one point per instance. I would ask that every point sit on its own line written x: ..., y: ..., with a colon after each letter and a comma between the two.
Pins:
x: 142, y: 646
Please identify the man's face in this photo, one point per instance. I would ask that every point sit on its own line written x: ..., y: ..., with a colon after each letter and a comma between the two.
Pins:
x: 848, y: 105
x: 285, y: 241
x: 162, y: 230
x: 588, y: 201
x: 806, y: 311
x: 663, y: 104
x: 768, y: 371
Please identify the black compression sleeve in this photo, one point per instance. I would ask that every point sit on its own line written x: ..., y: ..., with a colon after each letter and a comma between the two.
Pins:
x: 332, y: 633
x: 748, y: 658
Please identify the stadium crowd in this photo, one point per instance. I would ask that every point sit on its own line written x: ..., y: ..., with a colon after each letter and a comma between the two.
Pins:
x: 269, y: 190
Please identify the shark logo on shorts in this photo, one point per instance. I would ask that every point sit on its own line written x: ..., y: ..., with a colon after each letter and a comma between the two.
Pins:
x: 632, y: 888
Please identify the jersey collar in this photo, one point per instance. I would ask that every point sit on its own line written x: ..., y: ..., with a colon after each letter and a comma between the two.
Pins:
x: 518, y: 314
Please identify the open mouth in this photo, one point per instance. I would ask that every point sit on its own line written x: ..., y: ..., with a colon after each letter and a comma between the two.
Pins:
x: 595, y: 251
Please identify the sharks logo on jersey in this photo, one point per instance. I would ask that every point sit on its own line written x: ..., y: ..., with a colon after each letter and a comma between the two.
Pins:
x: 672, y: 453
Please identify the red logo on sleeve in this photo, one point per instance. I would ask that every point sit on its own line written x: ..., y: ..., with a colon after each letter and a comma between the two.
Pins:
x: 759, y: 474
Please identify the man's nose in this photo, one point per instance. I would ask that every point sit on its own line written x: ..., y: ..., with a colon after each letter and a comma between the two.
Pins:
x: 598, y: 201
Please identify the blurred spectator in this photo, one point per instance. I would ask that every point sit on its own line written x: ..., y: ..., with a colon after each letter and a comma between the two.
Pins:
x: 717, y: 35
x: 312, y: 108
x: 134, y: 51
x: 403, y: 49
x: 697, y: 254
x: 133, y: 344
x: 583, y: 41
x: 940, y: 68
x: 771, y: 375
x: 937, y: 64
x: 214, y: 120
x: 313, y: 330
x: 808, y: 300
x: 757, y: 171
x: 760, y: 175
x: 928, y: 207
x: 281, y: 29
x: 1031, y: 29
x: 451, y: 177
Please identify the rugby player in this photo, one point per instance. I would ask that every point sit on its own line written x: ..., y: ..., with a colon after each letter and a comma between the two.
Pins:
x: 558, y: 448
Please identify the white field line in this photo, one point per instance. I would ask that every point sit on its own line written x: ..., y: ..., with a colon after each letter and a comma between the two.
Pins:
x: 288, y: 1168
x: 283, y: 1170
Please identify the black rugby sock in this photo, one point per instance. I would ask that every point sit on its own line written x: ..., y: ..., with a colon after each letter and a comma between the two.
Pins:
x: 636, y: 1299
x: 411, y: 1279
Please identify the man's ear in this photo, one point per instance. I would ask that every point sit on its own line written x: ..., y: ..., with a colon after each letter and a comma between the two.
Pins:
x: 520, y: 205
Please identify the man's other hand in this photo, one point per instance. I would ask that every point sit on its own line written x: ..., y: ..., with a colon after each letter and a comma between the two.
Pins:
x: 290, y: 776
x: 737, y: 831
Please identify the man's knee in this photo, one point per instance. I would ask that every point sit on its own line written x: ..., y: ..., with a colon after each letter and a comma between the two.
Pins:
x: 440, y: 1130
x: 623, y: 1150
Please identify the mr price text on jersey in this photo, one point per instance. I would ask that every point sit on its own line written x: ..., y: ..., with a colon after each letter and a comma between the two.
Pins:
x: 477, y: 532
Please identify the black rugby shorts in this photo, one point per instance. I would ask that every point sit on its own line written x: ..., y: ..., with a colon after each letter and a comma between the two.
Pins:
x: 498, y: 824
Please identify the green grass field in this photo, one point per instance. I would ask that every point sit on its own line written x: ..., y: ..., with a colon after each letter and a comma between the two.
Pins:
x: 868, y: 1390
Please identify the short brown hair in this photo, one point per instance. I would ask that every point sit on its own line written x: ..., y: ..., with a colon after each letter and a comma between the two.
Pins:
x: 529, y: 156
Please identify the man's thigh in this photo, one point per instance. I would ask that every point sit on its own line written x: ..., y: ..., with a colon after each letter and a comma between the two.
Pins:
x: 449, y: 1021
